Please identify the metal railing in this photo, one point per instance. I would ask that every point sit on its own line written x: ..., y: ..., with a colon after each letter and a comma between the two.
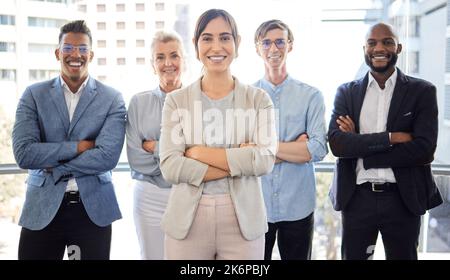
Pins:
x: 321, y: 167
x: 326, y: 167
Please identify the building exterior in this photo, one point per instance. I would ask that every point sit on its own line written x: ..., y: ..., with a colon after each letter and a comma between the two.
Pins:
x: 433, y: 67
x: 122, y: 32
x: 444, y: 100
x: 423, y: 31
x: 28, y: 36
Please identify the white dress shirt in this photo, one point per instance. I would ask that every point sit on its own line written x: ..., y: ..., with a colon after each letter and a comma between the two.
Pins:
x: 373, y: 119
x: 72, y: 99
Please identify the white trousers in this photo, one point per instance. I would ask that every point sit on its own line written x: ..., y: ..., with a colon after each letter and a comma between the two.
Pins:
x: 150, y: 202
x: 214, y: 235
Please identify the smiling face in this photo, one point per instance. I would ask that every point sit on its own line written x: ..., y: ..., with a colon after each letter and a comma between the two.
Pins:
x: 216, y: 46
x: 74, y: 53
x: 381, y: 49
x: 273, y: 48
x: 168, y: 63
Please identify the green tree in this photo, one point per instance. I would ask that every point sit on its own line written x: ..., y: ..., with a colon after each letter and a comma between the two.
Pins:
x: 328, y: 221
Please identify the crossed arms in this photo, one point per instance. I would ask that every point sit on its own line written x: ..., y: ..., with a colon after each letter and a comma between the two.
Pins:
x: 67, y: 158
x: 295, y: 151
x: 389, y: 148
x: 199, y: 164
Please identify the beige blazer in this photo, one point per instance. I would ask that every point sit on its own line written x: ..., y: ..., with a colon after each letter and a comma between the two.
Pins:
x: 251, y: 121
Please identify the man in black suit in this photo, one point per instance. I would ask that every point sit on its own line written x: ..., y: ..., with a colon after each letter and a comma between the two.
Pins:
x: 384, y: 131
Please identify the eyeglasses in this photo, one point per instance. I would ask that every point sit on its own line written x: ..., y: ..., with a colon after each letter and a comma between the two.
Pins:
x: 267, y: 43
x: 68, y: 48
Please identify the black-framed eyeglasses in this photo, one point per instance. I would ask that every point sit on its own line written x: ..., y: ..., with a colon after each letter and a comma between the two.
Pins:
x: 267, y: 43
x: 68, y: 48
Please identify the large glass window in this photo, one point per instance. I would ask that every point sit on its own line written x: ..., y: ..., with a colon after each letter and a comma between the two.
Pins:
x: 140, y: 60
x: 101, y: 43
x: 45, y: 22
x: 140, y: 25
x: 82, y: 8
x: 120, y: 43
x: 140, y: 7
x: 140, y: 43
x: 120, y: 7
x: 121, y: 61
x: 7, y: 74
x: 37, y: 75
x: 329, y: 36
x: 120, y: 25
x: 101, y: 25
x: 101, y: 61
x: 7, y: 20
x: 159, y: 6
x: 7, y: 47
x: 101, y: 8
x: 447, y: 103
x: 159, y: 24
x: 53, y: 1
x: 41, y: 48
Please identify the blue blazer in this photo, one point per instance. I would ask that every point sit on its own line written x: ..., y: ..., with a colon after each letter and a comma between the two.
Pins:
x: 413, y: 109
x: 45, y: 142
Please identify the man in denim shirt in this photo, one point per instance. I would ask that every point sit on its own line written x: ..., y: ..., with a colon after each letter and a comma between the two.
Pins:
x: 289, y: 191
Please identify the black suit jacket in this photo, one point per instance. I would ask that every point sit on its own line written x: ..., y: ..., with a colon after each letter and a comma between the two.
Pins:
x: 413, y: 109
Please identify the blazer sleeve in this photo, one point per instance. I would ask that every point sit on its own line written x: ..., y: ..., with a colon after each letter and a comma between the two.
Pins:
x: 175, y: 167
x: 257, y: 160
x: 139, y: 159
x: 108, y: 146
x: 349, y: 144
x: 420, y: 150
x: 29, y: 149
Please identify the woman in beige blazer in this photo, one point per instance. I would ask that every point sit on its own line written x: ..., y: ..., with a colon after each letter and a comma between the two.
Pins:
x: 217, y: 137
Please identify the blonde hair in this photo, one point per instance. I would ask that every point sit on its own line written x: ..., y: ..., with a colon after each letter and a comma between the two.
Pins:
x: 164, y: 37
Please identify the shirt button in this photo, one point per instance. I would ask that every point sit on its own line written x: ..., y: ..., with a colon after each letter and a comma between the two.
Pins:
x: 275, y: 194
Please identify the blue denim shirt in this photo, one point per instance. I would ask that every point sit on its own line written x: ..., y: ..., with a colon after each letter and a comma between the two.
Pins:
x: 290, y: 190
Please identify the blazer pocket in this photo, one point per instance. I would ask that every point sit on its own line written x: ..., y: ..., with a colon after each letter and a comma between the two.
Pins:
x: 407, y: 114
x: 35, y: 180
x: 104, y: 178
x: 404, y: 122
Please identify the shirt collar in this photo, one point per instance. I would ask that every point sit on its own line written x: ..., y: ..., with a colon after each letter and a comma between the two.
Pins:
x: 390, y: 82
x: 267, y: 83
x: 162, y: 93
x: 65, y: 86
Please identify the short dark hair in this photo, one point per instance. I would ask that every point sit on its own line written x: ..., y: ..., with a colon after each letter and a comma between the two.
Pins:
x: 270, y: 25
x: 76, y: 26
x: 208, y: 16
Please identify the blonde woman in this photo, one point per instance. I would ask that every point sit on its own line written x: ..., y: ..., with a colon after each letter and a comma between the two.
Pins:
x: 217, y: 137
x: 151, y: 191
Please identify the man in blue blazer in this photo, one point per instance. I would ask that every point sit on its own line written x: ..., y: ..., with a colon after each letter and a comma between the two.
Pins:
x: 383, y: 130
x: 69, y: 133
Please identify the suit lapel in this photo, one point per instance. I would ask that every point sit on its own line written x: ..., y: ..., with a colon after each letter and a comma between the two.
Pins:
x: 360, y: 89
x: 240, y: 99
x: 57, y: 96
x: 196, y: 111
x: 397, y: 98
x: 89, y: 92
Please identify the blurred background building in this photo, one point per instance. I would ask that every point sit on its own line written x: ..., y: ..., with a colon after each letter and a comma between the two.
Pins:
x: 327, y: 52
